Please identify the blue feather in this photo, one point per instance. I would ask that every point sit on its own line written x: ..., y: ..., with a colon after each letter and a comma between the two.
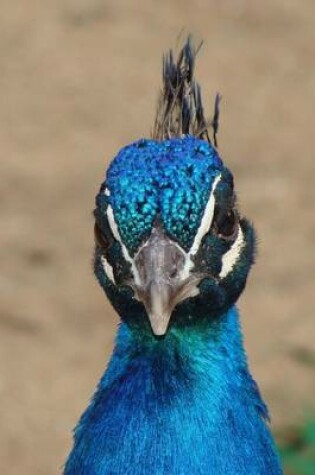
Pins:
x: 184, y: 404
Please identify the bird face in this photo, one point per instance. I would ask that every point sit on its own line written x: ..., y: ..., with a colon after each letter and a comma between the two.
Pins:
x: 171, y: 248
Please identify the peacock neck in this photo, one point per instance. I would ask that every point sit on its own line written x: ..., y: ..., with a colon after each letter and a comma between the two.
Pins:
x: 182, y: 404
x: 186, y: 356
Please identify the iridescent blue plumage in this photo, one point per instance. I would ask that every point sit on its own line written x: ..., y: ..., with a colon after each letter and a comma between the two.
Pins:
x: 173, y: 255
x: 184, y: 405
x: 172, y: 177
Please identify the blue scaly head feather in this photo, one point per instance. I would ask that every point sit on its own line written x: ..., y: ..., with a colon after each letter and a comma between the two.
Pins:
x: 173, y: 254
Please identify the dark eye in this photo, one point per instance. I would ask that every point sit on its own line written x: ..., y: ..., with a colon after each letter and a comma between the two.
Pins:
x: 225, y: 224
x: 100, y: 238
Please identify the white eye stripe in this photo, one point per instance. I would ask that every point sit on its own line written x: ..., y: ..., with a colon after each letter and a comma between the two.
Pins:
x: 112, y: 223
x: 107, y: 192
x: 204, y: 227
x: 114, y: 229
x: 230, y: 258
x: 207, y: 218
x: 108, y: 269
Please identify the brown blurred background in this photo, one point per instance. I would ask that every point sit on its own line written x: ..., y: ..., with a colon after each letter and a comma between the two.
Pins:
x: 79, y: 79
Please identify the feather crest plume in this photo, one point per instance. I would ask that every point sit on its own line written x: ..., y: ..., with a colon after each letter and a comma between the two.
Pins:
x: 180, y: 108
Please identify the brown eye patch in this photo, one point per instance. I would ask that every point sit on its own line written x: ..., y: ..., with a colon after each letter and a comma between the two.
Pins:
x: 225, y: 223
x: 100, y: 237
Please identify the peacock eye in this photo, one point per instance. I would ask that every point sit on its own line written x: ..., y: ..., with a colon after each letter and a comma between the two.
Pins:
x: 100, y: 237
x: 225, y: 224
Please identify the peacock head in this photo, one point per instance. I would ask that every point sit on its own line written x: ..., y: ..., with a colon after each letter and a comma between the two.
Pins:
x: 171, y: 247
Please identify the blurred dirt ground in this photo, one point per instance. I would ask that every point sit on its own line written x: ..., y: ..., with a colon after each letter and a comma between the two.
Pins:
x: 79, y: 79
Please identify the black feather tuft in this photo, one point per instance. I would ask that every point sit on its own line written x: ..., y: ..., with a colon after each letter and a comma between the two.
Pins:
x: 215, y: 120
x: 180, y: 110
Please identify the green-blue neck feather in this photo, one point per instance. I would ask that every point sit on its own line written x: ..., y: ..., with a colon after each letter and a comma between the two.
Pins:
x: 182, y: 404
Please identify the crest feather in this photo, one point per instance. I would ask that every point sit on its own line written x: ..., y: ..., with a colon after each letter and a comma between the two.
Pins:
x: 180, y: 109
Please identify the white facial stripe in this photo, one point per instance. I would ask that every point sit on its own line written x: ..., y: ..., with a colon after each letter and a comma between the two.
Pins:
x: 206, y: 219
x: 112, y: 223
x: 230, y: 258
x: 204, y: 227
x: 107, y: 192
x: 114, y: 228
x: 108, y: 269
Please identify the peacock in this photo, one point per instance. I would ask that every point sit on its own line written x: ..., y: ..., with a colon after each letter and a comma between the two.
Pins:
x: 172, y: 253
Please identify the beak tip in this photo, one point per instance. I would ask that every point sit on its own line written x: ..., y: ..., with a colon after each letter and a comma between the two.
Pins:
x: 159, y: 324
x: 159, y: 332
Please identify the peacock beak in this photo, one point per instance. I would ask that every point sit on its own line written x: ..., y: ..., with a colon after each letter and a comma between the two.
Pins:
x: 161, y: 285
x: 157, y: 300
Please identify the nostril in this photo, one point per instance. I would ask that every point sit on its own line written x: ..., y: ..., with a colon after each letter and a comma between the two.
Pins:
x: 173, y: 272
